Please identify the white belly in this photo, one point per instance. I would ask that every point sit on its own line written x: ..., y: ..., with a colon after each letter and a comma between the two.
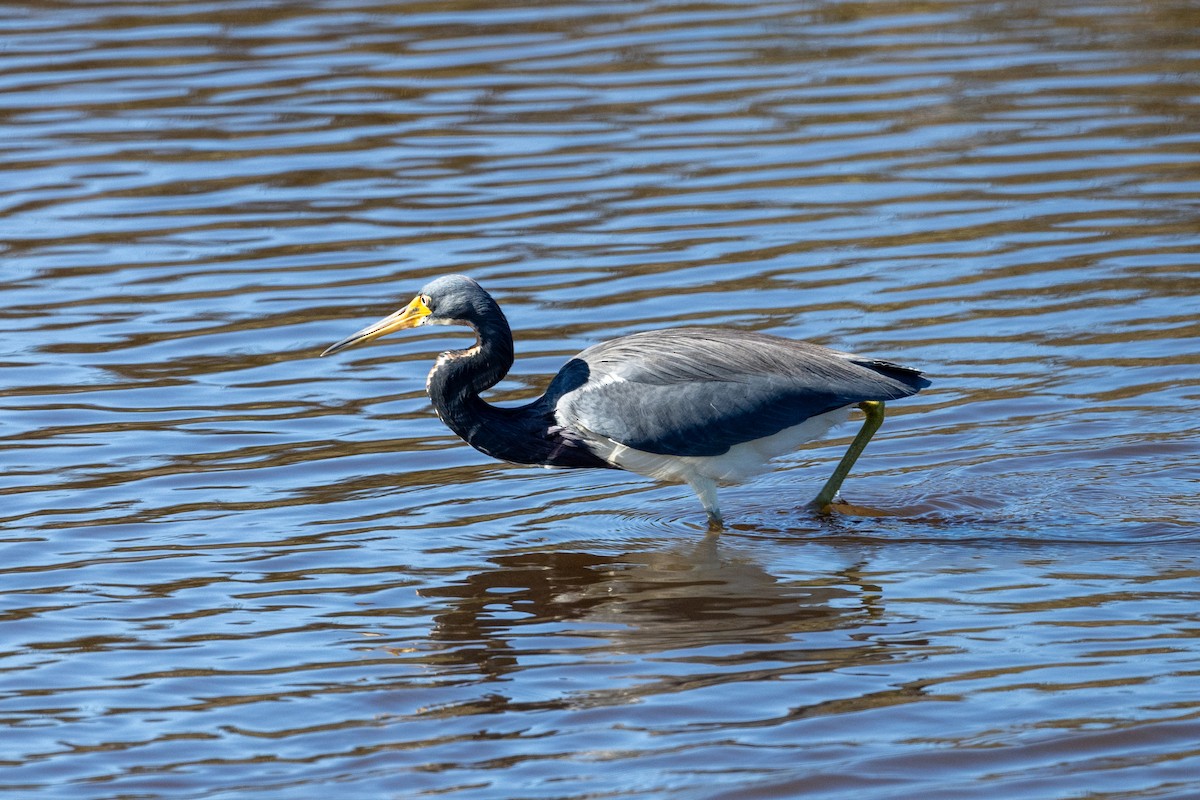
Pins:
x: 737, y: 464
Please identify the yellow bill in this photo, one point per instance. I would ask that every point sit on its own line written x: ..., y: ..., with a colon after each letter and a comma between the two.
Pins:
x: 410, y: 316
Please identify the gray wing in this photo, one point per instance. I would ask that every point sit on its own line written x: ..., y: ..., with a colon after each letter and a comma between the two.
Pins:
x: 699, y: 391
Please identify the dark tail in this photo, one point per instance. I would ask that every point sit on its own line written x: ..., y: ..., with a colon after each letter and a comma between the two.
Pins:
x: 911, y: 379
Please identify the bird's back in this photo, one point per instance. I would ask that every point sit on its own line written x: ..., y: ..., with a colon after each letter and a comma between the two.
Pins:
x: 700, y: 391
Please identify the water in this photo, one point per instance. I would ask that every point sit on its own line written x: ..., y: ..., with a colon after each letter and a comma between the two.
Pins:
x: 232, y: 569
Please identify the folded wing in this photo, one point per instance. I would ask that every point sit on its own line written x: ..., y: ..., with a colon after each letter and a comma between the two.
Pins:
x: 699, y: 391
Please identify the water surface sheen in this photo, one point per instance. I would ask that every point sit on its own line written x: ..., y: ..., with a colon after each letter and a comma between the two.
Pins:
x: 234, y: 570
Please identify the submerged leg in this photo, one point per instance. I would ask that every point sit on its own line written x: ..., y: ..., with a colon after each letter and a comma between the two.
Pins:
x: 706, y: 490
x: 874, y: 411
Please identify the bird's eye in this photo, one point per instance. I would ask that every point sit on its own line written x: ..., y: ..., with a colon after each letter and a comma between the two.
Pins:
x: 426, y: 300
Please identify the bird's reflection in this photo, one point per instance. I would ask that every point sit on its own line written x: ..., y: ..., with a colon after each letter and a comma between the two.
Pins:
x: 681, y: 599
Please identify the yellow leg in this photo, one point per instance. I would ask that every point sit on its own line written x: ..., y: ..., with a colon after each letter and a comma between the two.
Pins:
x: 874, y: 411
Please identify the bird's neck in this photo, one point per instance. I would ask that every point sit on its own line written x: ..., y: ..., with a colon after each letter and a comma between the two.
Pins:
x: 459, y: 376
x: 523, y: 435
x: 456, y: 381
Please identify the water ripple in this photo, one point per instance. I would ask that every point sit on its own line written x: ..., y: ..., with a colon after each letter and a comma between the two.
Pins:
x: 235, y: 569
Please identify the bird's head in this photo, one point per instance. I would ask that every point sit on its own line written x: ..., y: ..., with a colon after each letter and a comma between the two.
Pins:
x: 448, y: 300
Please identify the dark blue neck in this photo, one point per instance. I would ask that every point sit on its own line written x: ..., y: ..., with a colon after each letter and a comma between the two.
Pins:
x: 524, y: 435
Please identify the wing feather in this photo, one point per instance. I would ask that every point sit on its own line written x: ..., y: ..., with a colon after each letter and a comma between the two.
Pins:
x: 699, y: 391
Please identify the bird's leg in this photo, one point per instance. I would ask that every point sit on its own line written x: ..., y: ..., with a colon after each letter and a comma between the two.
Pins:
x: 874, y: 411
x: 706, y: 490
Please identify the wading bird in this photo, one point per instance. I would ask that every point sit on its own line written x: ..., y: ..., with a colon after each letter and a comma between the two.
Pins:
x: 701, y: 406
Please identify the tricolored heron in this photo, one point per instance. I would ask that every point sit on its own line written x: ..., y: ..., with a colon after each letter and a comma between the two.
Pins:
x: 702, y: 406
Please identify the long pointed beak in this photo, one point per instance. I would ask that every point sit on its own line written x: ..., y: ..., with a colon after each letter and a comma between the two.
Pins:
x: 410, y: 316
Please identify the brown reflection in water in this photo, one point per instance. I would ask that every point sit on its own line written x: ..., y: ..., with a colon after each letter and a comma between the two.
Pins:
x: 683, y: 600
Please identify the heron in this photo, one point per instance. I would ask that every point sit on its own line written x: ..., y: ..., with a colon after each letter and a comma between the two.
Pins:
x: 705, y: 406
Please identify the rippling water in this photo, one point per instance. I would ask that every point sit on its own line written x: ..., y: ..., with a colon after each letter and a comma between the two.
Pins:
x: 232, y: 569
